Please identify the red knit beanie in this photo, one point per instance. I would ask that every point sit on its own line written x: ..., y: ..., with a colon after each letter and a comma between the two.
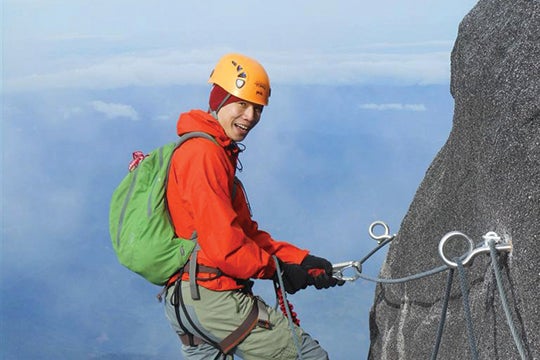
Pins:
x: 217, y: 95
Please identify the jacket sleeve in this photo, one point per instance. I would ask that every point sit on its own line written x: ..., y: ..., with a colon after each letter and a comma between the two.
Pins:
x: 283, y: 250
x: 204, y: 176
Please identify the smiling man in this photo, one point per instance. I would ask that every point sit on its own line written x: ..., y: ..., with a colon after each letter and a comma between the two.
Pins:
x: 209, y: 303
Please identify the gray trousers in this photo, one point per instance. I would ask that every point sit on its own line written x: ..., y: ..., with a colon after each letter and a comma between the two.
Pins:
x: 218, y: 313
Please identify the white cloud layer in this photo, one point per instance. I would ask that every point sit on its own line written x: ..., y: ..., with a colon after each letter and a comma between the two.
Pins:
x: 173, y: 67
x: 87, y: 45
x: 393, y: 106
x: 112, y: 110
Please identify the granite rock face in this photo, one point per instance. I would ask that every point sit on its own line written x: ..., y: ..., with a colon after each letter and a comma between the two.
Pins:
x: 485, y: 178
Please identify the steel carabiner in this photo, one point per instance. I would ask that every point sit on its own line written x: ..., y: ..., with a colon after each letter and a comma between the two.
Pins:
x: 339, y: 268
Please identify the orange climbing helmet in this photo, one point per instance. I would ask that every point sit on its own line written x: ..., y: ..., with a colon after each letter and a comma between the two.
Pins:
x: 242, y: 77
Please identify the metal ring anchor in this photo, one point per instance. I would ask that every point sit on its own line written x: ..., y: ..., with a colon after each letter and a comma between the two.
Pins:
x: 382, y: 237
x: 501, y: 245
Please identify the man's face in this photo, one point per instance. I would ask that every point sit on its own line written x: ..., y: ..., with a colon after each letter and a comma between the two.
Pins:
x: 238, y: 118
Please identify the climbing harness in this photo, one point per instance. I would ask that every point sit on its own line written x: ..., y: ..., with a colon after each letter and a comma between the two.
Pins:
x: 492, y: 244
x: 258, y: 314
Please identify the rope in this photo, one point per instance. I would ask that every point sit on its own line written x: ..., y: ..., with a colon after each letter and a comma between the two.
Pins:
x: 289, y: 315
x: 464, y: 290
x: 382, y: 244
x: 466, y: 307
x: 440, y: 329
x: 407, y: 278
x: 491, y: 239
x: 504, y: 301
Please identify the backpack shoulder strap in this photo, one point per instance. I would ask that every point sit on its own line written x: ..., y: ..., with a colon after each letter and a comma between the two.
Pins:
x: 193, y: 258
x: 195, y: 134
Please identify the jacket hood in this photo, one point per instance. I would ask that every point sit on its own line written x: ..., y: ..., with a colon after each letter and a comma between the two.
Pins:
x: 199, y: 120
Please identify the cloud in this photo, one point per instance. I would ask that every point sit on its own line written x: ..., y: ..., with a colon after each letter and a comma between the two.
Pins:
x: 393, y: 106
x: 112, y: 110
x: 354, y: 43
x: 358, y: 67
x: 413, y: 64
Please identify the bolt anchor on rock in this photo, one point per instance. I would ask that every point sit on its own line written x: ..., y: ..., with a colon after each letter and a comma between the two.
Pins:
x: 501, y: 245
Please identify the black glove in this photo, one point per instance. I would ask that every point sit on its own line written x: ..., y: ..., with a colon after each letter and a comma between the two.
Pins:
x: 320, y: 272
x: 323, y: 281
x: 295, y: 277
x: 315, y: 262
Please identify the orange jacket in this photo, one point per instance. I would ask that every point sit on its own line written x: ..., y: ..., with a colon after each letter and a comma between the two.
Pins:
x: 200, y: 184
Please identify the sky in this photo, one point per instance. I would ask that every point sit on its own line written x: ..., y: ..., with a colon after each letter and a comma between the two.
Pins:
x: 360, y: 106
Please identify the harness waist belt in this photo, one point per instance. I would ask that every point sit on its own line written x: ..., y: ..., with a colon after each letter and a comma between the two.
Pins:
x: 200, y: 268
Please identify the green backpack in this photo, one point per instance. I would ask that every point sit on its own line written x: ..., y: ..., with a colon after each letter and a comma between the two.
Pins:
x: 142, y: 234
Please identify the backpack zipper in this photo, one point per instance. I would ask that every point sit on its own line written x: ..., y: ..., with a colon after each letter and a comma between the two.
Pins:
x: 124, y: 206
x: 156, y: 180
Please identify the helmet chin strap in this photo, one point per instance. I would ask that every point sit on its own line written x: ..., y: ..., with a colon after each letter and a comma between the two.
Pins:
x: 214, y: 112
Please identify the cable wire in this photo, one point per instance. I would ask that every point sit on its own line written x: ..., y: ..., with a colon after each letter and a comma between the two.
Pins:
x: 466, y: 308
x: 440, y: 329
x: 504, y: 301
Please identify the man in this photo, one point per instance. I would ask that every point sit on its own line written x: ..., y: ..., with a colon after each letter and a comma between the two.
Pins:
x: 212, y: 307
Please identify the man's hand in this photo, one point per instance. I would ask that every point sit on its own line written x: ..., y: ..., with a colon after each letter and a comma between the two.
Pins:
x: 295, y: 277
x: 320, y: 272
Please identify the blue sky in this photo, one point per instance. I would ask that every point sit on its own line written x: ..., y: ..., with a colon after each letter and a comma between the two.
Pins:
x: 360, y: 106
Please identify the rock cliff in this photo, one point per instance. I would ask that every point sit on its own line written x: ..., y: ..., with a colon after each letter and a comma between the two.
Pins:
x: 485, y: 178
